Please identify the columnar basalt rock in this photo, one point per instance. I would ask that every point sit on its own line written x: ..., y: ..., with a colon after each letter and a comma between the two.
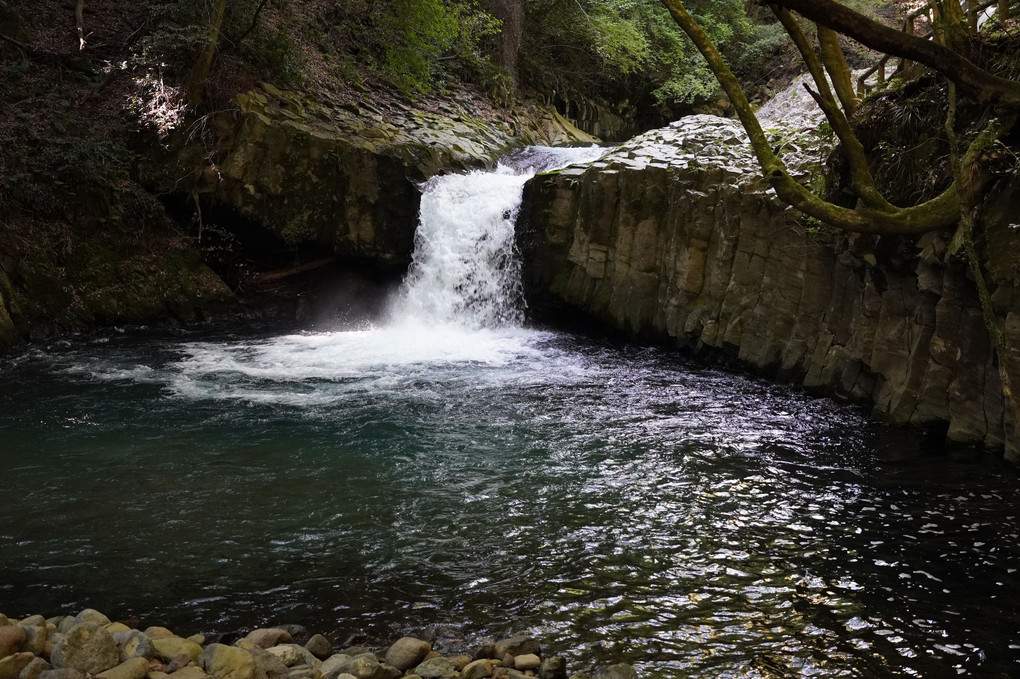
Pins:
x: 674, y: 237
x: 343, y: 178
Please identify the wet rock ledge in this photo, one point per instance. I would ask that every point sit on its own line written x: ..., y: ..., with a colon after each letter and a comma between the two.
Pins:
x: 90, y: 645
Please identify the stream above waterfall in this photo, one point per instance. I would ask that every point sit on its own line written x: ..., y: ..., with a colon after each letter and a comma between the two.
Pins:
x: 483, y: 478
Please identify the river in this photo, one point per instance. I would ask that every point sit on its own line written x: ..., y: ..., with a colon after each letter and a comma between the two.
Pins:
x: 451, y: 469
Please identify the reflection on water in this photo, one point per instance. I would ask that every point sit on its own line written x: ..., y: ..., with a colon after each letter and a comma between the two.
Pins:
x: 621, y: 503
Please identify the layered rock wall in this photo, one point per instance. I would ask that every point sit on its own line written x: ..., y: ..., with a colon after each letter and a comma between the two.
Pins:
x: 675, y: 238
x: 343, y: 177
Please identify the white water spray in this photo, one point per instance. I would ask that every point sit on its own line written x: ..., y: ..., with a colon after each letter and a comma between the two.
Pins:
x: 465, y: 271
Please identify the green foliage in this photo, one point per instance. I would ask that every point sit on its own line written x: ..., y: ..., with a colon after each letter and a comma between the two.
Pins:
x: 411, y: 43
x: 633, y: 48
x: 183, y: 25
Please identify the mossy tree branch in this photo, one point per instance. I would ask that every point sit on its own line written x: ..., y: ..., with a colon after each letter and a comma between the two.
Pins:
x: 839, y: 70
x: 979, y: 84
x: 940, y: 212
x: 863, y: 182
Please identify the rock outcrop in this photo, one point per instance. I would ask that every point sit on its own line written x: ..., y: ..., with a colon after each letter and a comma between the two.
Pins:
x: 341, y: 177
x: 675, y: 238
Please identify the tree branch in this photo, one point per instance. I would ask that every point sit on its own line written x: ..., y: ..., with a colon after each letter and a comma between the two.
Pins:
x: 839, y: 71
x: 979, y: 83
x: 863, y: 182
x: 940, y: 212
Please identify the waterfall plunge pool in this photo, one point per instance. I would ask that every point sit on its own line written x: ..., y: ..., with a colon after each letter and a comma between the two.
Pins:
x: 452, y: 469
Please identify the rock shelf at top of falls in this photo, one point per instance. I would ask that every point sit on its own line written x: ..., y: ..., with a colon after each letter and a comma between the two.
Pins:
x: 89, y: 644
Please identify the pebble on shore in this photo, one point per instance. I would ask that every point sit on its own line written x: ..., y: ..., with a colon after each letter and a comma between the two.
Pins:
x: 91, y: 646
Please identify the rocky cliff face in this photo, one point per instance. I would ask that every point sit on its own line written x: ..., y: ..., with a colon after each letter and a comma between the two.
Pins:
x: 341, y: 178
x: 675, y: 238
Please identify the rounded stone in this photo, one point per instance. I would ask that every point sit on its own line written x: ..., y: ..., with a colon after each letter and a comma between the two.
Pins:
x: 36, y: 637
x: 304, y: 656
x: 479, y: 669
x: 12, y: 665
x: 518, y: 646
x: 134, y: 644
x: 11, y: 640
x: 269, y: 637
x: 169, y: 648
x: 33, y: 669
x: 227, y: 662
x: 91, y: 615
x: 527, y: 661
x: 320, y: 647
x: 437, y: 668
x: 268, y: 664
x: 553, y: 667
x: 364, y: 666
x: 407, y: 652
x: 132, y: 668
x: 87, y: 647
x: 63, y: 673
x: 190, y: 672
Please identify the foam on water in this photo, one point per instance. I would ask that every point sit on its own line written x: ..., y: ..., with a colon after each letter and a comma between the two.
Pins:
x: 460, y: 307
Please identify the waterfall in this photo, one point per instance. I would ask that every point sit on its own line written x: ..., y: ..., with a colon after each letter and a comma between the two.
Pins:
x: 464, y: 270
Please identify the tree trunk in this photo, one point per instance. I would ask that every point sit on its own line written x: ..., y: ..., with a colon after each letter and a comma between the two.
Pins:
x: 199, y: 74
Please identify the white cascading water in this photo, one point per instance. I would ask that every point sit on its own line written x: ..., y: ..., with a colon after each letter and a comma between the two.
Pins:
x: 465, y: 272
x: 460, y: 306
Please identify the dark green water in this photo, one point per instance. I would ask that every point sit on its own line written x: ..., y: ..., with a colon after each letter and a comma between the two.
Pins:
x: 620, y: 503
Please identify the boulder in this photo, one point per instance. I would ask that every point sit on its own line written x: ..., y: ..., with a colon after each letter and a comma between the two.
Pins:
x: 32, y: 621
x: 334, y: 664
x: 132, y: 668
x: 227, y: 662
x: 12, y: 638
x: 486, y: 650
x: 320, y: 647
x: 268, y: 637
x: 407, y: 652
x: 190, y: 672
x: 292, y: 655
x: 299, y: 633
x: 363, y: 666
x: 134, y: 644
x: 12, y: 665
x: 168, y: 648
x: 479, y: 669
x: 553, y: 667
x: 87, y: 647
x: 527, y: 661
x: 156, y: 632
x: 91, y: 615
x: 518, y: 646
x: 179, y: 662
x: 62, y: 673
x: 33, y: 669
x: 36, y: 636
x: 268, y: 665
x: 437, y: 668
x: 287, y: 655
